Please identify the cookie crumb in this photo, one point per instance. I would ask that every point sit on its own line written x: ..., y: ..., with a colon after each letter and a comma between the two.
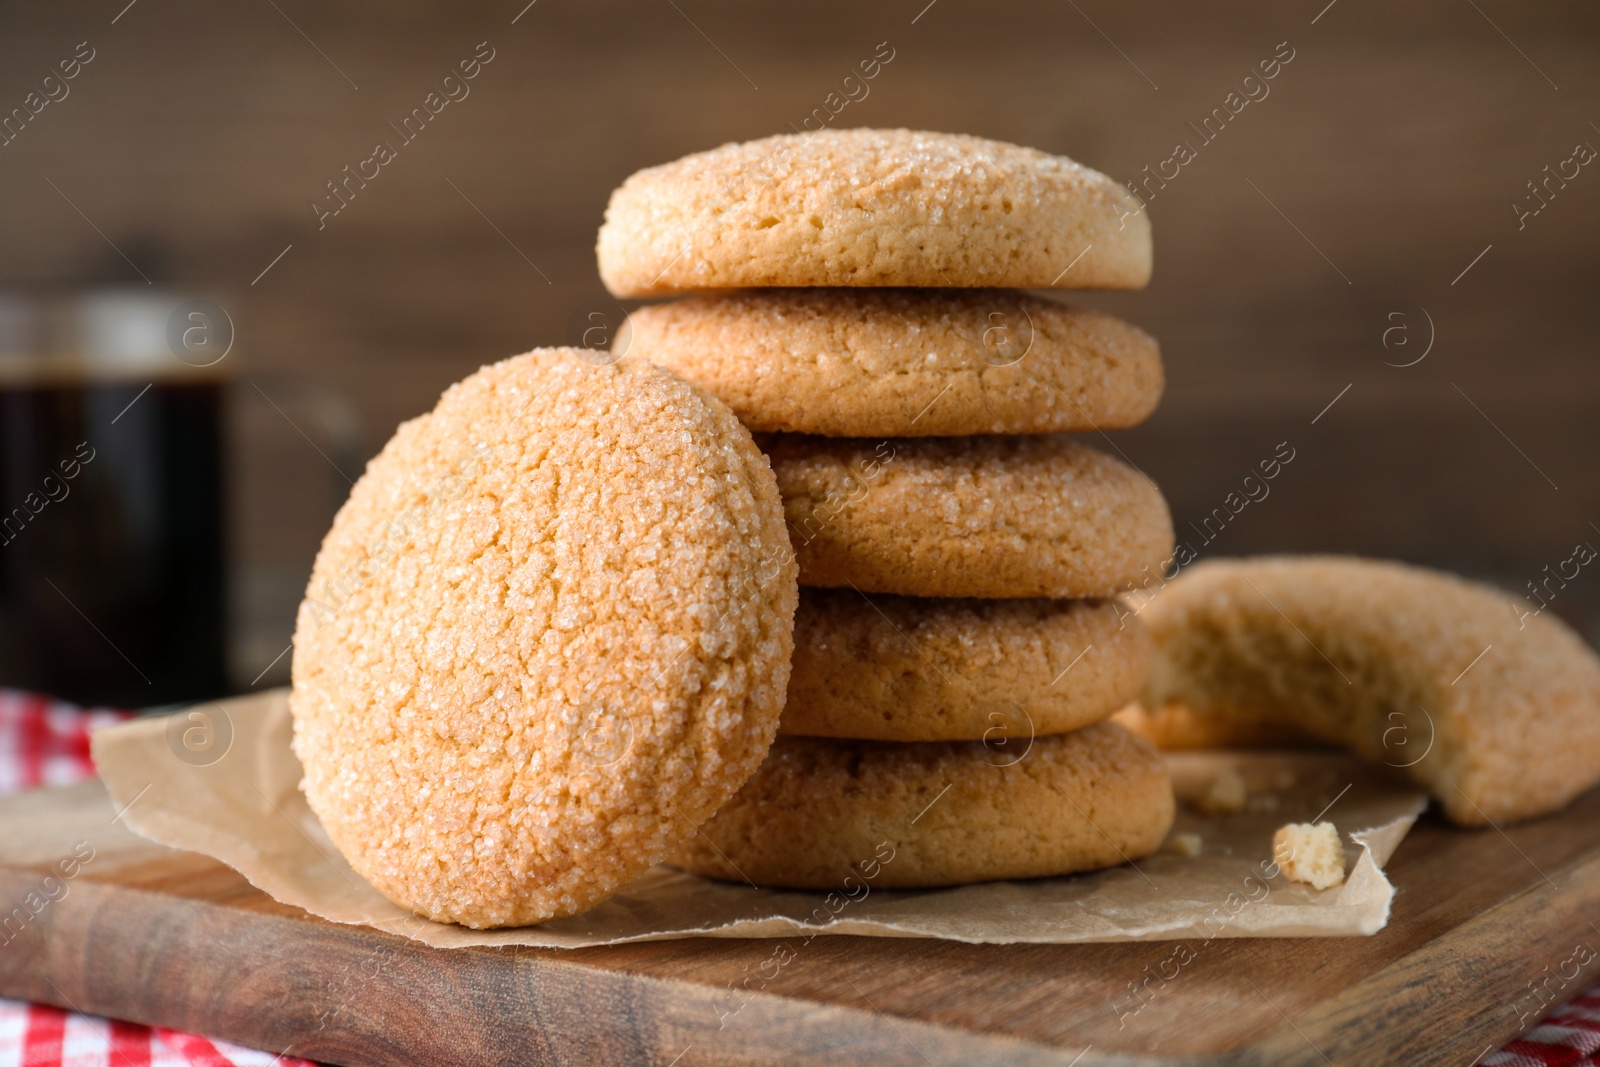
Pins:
x: 1225, y: 795
x: 1309, y: 853
x: 1188, y: 845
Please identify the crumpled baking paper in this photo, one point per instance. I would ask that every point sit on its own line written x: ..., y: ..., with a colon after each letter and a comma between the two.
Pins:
x: 220, y: 779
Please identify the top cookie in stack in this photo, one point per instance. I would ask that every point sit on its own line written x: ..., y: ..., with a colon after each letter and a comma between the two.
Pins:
x: 857, y: 299
x: 872, y: 208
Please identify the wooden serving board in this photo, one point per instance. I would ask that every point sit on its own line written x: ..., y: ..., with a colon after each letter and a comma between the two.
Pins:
x: 1489, y: 931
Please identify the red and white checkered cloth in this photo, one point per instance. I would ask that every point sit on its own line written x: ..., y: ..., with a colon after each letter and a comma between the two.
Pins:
x: 1568, y: 1037
x: 32, y: 1035
x: 46, y: 742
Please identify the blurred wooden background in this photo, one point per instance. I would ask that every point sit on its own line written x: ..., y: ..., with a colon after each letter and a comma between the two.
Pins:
x: 1349, y: 201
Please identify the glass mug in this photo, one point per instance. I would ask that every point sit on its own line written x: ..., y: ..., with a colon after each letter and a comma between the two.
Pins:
x: 112, y: 558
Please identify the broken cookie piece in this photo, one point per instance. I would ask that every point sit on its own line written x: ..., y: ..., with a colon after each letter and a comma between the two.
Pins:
x: 1310, y: 853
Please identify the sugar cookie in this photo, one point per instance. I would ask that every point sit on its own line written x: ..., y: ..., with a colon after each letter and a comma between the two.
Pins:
x: 552, y: 622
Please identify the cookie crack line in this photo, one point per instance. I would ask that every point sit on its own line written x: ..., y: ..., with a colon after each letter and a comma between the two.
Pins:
x: 495, y: 696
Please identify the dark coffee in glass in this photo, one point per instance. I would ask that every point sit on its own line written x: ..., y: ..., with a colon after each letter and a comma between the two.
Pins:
x: 112, y: 576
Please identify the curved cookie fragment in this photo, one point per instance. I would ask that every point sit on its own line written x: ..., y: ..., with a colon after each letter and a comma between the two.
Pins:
x: 1497, y: 714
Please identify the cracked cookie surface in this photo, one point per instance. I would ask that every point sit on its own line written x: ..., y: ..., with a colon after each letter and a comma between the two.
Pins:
x: 893, y: 668
x: 864, y: 207
x: 993, y: 516
x: 829, y: 814
x: 549, y: 631
x: 904, y: 362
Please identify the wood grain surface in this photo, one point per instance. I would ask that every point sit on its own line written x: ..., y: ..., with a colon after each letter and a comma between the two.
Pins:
x: 1389, y: 153
x: 1489, y: 931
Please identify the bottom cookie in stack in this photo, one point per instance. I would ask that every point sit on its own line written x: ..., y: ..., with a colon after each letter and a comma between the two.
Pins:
x: 960, y: 741
x: 937, y: 813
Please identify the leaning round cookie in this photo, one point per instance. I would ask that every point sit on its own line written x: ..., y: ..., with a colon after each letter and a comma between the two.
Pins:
x: 904, y: 362
x: 1490, y: 704
x: 872, y: 207
x: 969, y: 516
x: 548, y: 632
x: 896, y: 668
x: 829, y: 814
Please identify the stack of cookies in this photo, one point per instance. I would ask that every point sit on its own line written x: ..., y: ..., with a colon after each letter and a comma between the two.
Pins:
x: 858, y: 304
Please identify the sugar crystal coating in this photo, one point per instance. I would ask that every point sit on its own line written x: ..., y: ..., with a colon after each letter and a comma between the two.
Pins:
x: 548, y: 633
x: 872, y: 207
x: 896, y: 668
x: 831, y: 814
x: 904, y: 362
x: 1034, y: 516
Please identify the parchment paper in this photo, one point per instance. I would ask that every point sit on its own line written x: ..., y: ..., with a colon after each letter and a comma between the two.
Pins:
x: 221, y: 779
